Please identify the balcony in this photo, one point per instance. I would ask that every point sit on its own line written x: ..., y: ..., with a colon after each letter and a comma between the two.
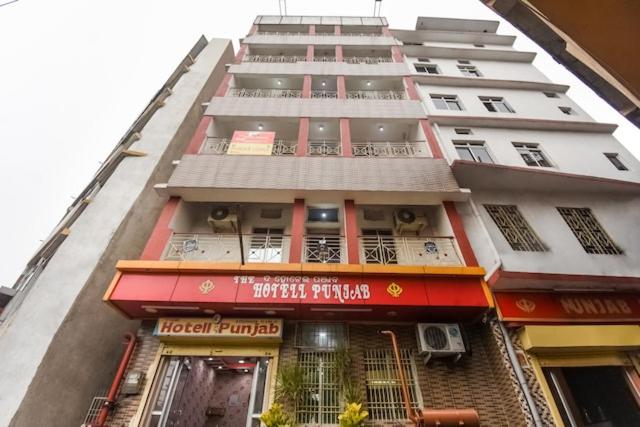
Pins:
x: 401, y: 250
x: 325, y: 148
x: 390, y: 149
x: 367, y: 59
x: 377, y: 94
x: 324, y: 94
x: 325, y: 249
x: 220, y: 146
x: 275, y: 59
x: 324, y: 58
x: 264, y: 93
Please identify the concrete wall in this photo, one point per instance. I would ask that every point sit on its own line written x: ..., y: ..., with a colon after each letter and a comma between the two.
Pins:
x: 571, y: 152
x: 618, y: 215
x: 489, y: 69
x: 526, y: 103
x: 63, y: 345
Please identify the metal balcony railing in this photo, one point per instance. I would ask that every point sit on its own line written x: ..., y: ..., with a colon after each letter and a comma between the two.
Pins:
x: 216, y: 247
x: 367, y: 59
x: 215, y: 145
x: 324, y: 94
x: 265, y: 93
x: 402, y: 250
x: 281, y: 33
x: 390, y: 149
x: 325, y: 148
x: 326, y: 249
x: 355, y: 34
x: 275, y: 58
x: 376, y: 94
x: 324, y: 59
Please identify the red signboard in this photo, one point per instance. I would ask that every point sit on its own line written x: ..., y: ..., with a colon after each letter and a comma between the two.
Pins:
x: 562, y: 307
x: 160, y: 293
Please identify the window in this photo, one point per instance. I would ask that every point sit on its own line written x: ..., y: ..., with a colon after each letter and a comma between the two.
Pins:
x: 515, y: 228
x: 532, y: 154
x: 324, y: 336
x: 464, y: 61
x: 320, y: 401
x: 384, y: 393
x: 446, y: 102
x: 496, y: 104
x: 469, y: 70
x: 424, y: 60
x: 550, y: 94
x: 266, y: 245
x: 427, y: 68
x: 463, y: 131
x: 478, y: 45
x: 567, y: 110
x: 588, y: 231
x: 615, y: 159
x: 411, y: 44
x: 473, y: 150
x: 322, y: 215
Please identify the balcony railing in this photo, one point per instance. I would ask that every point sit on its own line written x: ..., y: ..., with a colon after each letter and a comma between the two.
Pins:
x: 367, y: 59
x: 402, y: 250
x: 324, y: 59
x: 376, y: 94
x: 361, y: 34
x: 325, y: 148
x: 294, y: 33
x: 214, y: 145
x: 265, y: 93
x: 390, y: 149
x: 275, y: 58
x: 324, y: 94
x: 264, y: 248
x: 326, y: 249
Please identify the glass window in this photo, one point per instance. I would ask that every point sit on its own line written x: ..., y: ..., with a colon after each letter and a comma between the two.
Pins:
x: 446, y: 102
x: 469, y: 70
x: 496, y: 104
x: 427, y: 68
x: 550, y: 94
x: 567, y: 110
x: 515, y: 229
x: 473, y: 150
x: 591, y: 235
x: 463, y: 131
x: 614, y: 158
x: 322, y: 215
x: 532, y: 154
x: 321, y: 335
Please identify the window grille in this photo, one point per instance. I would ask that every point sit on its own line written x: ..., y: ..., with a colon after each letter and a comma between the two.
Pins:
x: 473, y: 150
x: 321, y: 335
x: 446, y: 102
x: 515, y: 228
x: 496, y: 104
x: 469, y: 70
x: 384, y: 392
x: 320, y: 403
x: 588, y: 231
x: 532, y: 154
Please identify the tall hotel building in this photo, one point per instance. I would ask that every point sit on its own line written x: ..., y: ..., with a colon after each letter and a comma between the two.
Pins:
x: 346, y: 180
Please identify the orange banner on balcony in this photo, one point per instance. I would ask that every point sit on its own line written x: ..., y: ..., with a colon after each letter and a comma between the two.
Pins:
x: 565, y: 307
x: 251, y: 143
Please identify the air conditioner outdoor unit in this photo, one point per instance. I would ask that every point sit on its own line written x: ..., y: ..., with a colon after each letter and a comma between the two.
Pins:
x: 223, y: 218
x: 439, y: 339
x: 406, y: 220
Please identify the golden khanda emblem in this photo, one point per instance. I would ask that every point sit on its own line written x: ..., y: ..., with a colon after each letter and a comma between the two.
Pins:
x: 394, y: 289
x: 526, y: 305
x: 206, y: 287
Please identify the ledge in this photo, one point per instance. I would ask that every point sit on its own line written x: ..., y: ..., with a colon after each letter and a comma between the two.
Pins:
x: 523, y: 123
x: 469, y: 53
x: 442, y: 80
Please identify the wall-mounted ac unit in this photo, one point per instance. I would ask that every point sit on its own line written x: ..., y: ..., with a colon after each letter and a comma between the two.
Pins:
x: 223, y: 218
x: 406, y: 220
x: 439, y: 339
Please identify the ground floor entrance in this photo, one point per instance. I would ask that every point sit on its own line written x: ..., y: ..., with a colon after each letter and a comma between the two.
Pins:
x: 198, y: 391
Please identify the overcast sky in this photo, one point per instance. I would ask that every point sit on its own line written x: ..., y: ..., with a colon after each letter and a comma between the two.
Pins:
x: 75, y: 74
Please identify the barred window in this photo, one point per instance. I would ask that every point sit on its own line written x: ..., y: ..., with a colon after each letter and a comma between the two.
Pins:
x: 384, y: 392
x: 320, y: 402
x: 588, y: 231
x: 515, y: 228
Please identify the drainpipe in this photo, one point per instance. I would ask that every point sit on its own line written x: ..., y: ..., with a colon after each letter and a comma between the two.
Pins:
x: 533, y: 409
x: 403, y: 382
x: 111, y: 397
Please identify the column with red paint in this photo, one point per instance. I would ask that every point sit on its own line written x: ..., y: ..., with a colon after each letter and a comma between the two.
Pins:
x: 162, y: 231
x: 460, y: 235
x: 351, y: 232
x: 297, y: 231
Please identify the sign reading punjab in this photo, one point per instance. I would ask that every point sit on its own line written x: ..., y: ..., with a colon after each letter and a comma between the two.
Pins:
x: 224, y: 328
x: 251, y: 143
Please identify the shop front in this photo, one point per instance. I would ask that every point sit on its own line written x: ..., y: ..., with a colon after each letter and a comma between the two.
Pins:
x: 582, y: 349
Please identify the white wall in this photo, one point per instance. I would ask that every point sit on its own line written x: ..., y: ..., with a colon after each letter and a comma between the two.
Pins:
x: 526, y: 103
x: 618, y: 215
x: 504, y: 70
x: 570, y: 152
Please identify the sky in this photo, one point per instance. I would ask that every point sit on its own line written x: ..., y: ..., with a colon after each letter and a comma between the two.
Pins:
x: 74, y: 75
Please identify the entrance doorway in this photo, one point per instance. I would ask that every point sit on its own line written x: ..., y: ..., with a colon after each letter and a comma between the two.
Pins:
x: 595, y: 396
x: 202, y: 391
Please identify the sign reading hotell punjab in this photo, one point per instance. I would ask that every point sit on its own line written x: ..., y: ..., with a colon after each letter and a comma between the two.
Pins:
x: 225, y: 328
x: 251, y: 143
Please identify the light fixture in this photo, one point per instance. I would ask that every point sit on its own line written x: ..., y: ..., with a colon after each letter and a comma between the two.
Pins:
x: 246, y: 370
x: 368, y: 82
x: 240, y: 361
x: 323, y: 215
x: 210, y: 359
x: 320, y: 127
x: 219, y: 367
x: 381, y: 128
x: 270, y: 312
x: 260, y: 127
x: 324, y: 83
x: 279, y: 82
